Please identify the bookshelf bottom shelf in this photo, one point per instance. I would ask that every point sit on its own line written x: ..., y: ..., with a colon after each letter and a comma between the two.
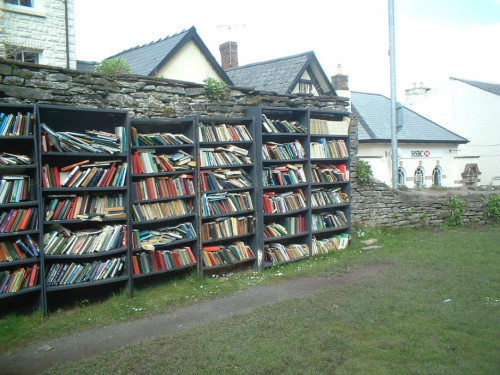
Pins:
x: 87, y: 284
x: 171, y: 270
x: 268, y: 264
x: 229, y: 265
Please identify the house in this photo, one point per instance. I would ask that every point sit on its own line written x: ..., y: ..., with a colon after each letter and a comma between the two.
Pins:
x: 470, y: 108
x: 182, y: 57
x: 297, y: 74
x: 39, y: 32
x: 426, y: 150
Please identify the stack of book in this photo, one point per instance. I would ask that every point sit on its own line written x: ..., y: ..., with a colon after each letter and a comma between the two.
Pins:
x: 162, y: 187
x: 222, y: 255
x: 20, y: 249
x: 326, y: 245
x: 161, y: 210
x: 149, y: 239
x: 326, y: 197
x: 76, y: 273
x: 21, y: 278
x: 224, y: 156
x: 276, y: 252
x: 284, y: 202
x: 289, y: 174
x: 319, y: 126
x: 328, y: 173
x: 283, y: 151
x: 329, y: 220
x: 289, y: 226
x: 146, y: 161
x: 161, y: 260
x: 14, y: 159
x: 86, y: 206
x: 332, y: 149
x: 224, y: 179
x: 20, y: 219
x: 61, y: 241
x: 281, y: 126
x: 15, y: 188
x: 225, y: 227
x: 159, y: 139
x: 223, y: 133
x: 20, y: 124
x: 224, y: 203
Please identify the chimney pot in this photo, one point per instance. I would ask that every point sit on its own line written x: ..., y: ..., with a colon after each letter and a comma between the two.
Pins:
x: 229, y: 55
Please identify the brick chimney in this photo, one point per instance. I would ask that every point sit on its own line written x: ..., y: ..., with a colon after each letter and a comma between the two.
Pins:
x: 229, y: 55
x: 339, y: 80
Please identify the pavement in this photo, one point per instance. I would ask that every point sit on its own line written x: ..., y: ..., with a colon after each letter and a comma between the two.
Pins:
x: 39, y: 357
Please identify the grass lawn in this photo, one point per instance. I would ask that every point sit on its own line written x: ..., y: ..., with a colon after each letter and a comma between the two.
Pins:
x: 434, y: 309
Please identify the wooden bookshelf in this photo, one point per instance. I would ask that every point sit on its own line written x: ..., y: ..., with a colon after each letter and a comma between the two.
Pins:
x: 163, y: 196
x: 227, y: 193
x: 20, y: 261
x: 84, y: 174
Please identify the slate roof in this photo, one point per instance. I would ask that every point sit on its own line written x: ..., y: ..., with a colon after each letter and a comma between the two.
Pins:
x: 493, y: 88
x: 374, y: 114
x: 147, y: 59
x: 86, y: 66
x: 278, y: 75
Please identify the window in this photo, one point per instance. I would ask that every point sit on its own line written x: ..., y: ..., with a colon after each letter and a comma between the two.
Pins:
x: 20, y: 54
x: 24, y: 3
x: 401, y: 176
x: 437, y: 175
x: 419, y: 177
x: 305, y: 86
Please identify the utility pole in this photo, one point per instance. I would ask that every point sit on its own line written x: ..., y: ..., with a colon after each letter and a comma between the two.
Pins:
x: 394, y: 120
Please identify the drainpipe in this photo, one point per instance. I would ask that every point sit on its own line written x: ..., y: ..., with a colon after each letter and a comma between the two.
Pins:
x: 66, y: 26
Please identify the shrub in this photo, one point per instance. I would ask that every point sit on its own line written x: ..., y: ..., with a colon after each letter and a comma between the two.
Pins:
x: 113, y: 66
x: 493, y: 208
x: 365, y: 173
x: 215, y: 89
x: 456, y: 207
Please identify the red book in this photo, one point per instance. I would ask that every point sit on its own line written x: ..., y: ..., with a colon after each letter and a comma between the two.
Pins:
x: 155, y: 261
x: 72, y: 166
x: 135, y: 266
x: 34, y: 272
x: 161, y: 261
x: 211, y: 248
x: 11, y: 220
x: 175, y: 257
x: 25, y: 219
x: 109, y: 175
x: 18, y: 251
x: 151, y: 188
x: 57, y: 177
x: 191, y: 256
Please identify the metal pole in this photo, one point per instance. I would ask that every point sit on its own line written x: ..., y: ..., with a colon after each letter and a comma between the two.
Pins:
x: 394, y: 120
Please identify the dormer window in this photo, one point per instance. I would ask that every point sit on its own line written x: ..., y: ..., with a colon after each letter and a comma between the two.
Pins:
x: 23, y: 3
x: 305, y: 86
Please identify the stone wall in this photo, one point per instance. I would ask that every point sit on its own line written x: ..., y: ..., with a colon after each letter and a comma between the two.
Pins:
x: 376, y: 204
x: 141, y: 96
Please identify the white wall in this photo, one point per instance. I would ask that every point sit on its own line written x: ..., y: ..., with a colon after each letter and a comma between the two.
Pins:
x: 41, y: 28
x: 412, y: 155
x: 189, y: 64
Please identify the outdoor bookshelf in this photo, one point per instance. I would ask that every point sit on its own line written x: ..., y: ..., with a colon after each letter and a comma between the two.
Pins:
x: 84, y: 177
x: 20, y: 261
x: 227, y: 193
x: 163, y: 196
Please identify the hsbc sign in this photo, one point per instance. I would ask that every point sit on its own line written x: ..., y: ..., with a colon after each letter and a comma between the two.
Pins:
x: 421, y: 154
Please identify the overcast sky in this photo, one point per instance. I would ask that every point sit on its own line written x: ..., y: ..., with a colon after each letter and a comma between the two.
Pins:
x: 435, y: 39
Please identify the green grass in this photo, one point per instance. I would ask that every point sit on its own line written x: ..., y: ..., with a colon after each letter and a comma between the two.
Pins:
x: 396, y: 322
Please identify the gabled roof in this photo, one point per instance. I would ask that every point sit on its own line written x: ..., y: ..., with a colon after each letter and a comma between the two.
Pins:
x: 374, y: 114
x: 147, y: 59
x: 280, y: 75
x: 493, y: 88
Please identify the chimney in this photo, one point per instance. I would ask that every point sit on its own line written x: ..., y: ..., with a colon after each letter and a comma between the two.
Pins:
x: 229, y: 55
x: 339, y: 80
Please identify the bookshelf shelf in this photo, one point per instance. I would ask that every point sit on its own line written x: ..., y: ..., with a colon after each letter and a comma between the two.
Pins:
x: 165, y: 246
x: 271, y: 264
x: 162, y: 272
x: 17, y: 263
x: 230, y: 265
x: 164, y: 199
x: 288, y: 213
x: 36, y: 289
x: 228, y: 214
x: 328, y: 230
x: 87, y: 284
x: 289, y: 236
x: 226, y: 239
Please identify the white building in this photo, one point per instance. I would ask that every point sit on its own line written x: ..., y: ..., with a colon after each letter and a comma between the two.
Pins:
x: 427, y: 151
x: 472, y: 109
x: 38, y: 31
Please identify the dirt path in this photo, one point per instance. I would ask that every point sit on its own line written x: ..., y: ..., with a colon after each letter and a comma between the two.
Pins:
x: 39, y: 357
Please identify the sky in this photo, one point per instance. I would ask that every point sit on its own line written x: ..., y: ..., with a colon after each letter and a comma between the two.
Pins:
x: 435, y: 39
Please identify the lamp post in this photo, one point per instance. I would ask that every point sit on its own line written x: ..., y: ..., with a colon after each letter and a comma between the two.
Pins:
x: 394, y: 120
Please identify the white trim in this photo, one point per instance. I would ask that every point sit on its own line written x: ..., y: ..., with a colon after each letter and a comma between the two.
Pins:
x: 23, y: 10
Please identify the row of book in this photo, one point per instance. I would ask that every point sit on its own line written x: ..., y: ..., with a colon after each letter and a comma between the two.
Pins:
x: 289, y: 174
x: 288, y: 226
x: 223, y: 156
x: 61, y: 241
x: 229, y: 254
x: 151, y: 239
x: 20, y: 249
x: 329, y: 173
x: 283, y: 151
x: 7, y: 158
x: 284, y: 202
x: 332, y: 149
x: 86, y: 206
x: 329, y: 220
x: 16, y: 124
x: 161, y: 260
x: 15, y: 188
x: 223, y: 133
x: 20, y: 219
x: 224, y: 203
x: 277, y: 252
x: 77, y: 273
x: 92, y: 141
x: 160, y: 210
x: 325, y: 197
x: 220, y: 179
x: 281, y: 126
x: 227, y: 227
x: 162, y: 187
x: 320, y: 126
x: 146, y: 161
x: 159, y: 139
x: 97, y: 174
x: 21, y: 278
x: 327, y: 245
